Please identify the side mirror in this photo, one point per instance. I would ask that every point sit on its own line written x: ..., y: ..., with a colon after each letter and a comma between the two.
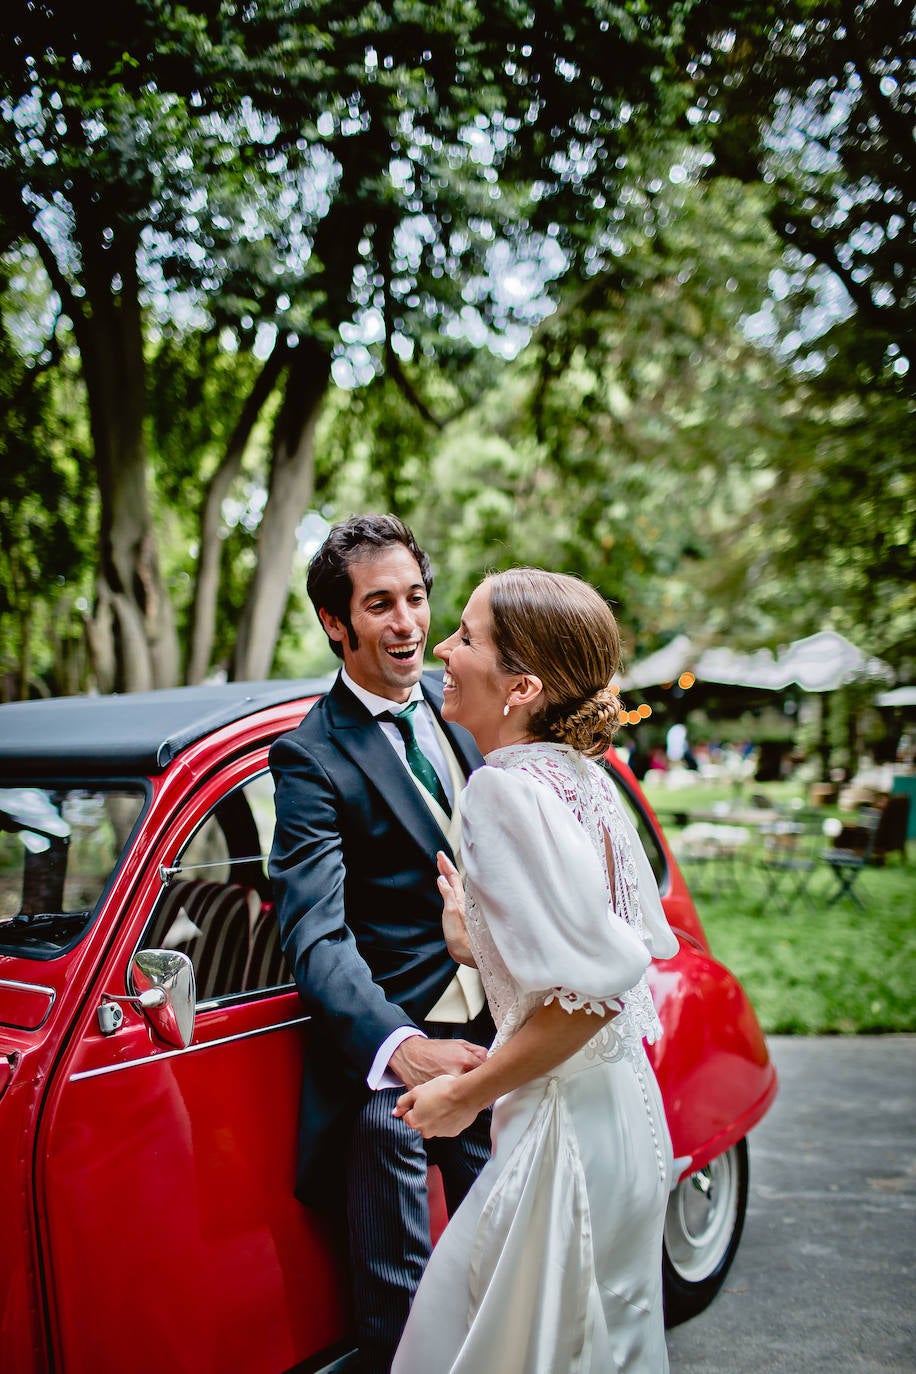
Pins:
x: 171, y: 975
x: 165, y: 992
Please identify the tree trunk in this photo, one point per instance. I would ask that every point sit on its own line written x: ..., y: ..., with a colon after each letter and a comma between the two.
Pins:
x: 823, y: 737
x: 292, y: 481
x: 132, y: 636
x: 20, y: 612
x: 206, y: 587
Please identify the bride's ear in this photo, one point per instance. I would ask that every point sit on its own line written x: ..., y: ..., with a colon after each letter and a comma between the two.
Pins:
x: 525, y: 691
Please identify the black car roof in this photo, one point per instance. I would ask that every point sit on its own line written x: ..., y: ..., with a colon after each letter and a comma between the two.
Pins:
x: 138, y: 732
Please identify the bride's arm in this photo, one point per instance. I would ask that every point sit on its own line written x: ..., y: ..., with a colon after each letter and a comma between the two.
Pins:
x: 446, y: 1105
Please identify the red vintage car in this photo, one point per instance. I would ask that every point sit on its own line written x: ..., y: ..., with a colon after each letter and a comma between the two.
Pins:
x: 151, y: 1048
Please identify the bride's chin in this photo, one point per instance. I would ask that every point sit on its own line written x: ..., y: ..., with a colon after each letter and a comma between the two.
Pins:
x: 451, y: 711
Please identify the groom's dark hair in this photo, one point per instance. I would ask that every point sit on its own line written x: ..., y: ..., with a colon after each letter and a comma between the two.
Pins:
x: 330, y: 586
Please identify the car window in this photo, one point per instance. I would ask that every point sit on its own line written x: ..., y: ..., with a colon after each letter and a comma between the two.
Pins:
x: 650, y: 844
x: 217, y: 905
x: 59, y: 848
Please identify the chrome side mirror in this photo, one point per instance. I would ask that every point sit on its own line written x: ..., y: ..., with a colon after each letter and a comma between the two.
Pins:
x: 172, y: 973
x: 166, y: 994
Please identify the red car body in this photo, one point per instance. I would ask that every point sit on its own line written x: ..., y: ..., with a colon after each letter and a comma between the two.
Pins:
x: 146, y: 1189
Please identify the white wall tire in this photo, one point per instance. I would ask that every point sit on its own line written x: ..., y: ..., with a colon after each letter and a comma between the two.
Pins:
x: 703, y: 1226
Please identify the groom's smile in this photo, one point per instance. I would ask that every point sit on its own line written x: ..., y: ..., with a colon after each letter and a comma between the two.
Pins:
x: 404, y: 652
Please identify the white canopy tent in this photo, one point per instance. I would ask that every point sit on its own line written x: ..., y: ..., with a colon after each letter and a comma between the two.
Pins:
x: 900, y: 696
x: 818, y: 663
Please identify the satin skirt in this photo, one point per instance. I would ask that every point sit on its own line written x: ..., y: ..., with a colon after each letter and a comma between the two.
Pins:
x: 552, y: 1264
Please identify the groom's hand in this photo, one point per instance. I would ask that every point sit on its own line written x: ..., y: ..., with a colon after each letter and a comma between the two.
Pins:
x: 417, y: 1060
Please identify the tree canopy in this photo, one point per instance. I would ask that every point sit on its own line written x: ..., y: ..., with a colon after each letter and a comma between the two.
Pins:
x: 623, y: 288
x: 291, y: 172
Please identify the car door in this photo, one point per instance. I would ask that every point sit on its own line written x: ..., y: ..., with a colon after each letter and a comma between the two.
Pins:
x: 171, y: 1237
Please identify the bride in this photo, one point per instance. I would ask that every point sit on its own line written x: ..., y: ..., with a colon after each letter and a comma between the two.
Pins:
x: 552, y: 1264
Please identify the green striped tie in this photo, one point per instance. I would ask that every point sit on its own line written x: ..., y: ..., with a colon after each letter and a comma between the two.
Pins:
x: 419, y: 764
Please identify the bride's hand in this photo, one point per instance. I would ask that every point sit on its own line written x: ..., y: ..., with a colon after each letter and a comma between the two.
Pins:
x: 435, y: 1108
x: 451, y: 890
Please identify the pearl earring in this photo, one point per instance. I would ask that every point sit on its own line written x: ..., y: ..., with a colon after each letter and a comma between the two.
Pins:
x: 506, y: 709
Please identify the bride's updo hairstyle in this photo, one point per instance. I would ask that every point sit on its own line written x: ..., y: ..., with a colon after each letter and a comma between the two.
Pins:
x: 561, y: 630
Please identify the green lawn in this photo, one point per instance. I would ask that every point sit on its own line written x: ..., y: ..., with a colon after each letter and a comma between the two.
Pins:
x: 818, y: 968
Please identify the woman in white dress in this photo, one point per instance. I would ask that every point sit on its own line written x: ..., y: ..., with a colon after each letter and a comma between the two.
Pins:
x: 552, y: 1264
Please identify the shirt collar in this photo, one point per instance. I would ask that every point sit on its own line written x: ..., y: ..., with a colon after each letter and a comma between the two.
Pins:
x: 376, y: 704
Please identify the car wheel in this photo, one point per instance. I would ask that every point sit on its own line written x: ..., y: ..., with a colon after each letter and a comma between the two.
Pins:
x: 703, y: 1226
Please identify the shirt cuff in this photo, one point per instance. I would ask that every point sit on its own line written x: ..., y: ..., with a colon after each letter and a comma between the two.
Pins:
x: 380, y: 1076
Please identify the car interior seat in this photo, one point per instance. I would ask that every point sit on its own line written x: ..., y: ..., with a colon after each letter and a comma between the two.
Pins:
x: 213, y: 924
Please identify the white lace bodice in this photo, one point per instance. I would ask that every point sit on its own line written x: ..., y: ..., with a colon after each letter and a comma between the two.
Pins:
x: 552, y: 873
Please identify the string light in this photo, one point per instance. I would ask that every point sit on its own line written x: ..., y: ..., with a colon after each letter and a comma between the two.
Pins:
x: 639, y: 713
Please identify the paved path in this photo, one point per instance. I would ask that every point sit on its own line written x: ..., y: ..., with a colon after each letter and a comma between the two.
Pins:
x: 824, y: 1278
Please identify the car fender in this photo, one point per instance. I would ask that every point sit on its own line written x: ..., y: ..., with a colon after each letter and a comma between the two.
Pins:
x: 712, y: 1063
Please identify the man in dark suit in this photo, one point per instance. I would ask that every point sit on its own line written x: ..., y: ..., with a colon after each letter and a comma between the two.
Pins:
x: 364, y: 800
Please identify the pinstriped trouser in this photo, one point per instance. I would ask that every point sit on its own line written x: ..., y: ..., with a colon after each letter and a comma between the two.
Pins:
x: 388, y: 1211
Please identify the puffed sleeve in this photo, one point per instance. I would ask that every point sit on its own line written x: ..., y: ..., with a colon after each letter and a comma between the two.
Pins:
x: 660, y: 938
x: 540, y: 888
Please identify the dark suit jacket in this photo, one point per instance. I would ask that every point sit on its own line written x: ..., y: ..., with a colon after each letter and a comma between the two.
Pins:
x: 353, y: 869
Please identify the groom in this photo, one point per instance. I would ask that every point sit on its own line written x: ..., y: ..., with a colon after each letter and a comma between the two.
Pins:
x: 366, y: 793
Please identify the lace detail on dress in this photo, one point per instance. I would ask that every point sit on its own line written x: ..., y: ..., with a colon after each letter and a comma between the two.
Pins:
x: 606, y: 1045
x: 577, y: 1001
x: 502, y: 998
x: 590, y: 795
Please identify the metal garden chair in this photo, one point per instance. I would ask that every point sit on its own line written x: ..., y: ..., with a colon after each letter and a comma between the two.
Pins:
x: 791, y: 857
x: 847, y: 863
